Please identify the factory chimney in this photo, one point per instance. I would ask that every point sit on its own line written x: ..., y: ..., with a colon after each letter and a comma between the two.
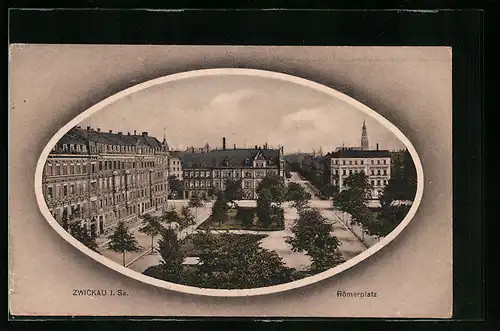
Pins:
x: 224, y: 143
x: 377, y: 146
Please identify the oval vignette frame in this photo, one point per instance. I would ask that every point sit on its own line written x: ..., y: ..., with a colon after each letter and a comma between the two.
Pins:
x: 224, y: 292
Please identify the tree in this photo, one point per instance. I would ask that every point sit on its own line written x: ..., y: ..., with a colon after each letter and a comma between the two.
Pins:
x: 233, y: 190
x: 313, y: 234
x: 298, y: 195
x: 81, y: 234
x: 195, y: 202
x: 170, y: 249
x: 231, y: 261
x: 387, y: 220
x: 123, y: 241
x: 354, y: 198
x: 212, y: 192
x: 151, y: 226
x: 263, y: 209
x: 275, y: 186
x: 186, y: 217
x: 176, y: 187
x: 403, y: 182
x: 170, y: 216
x: 219, y: 210
x: 246, y: 215
x: 65, y: 224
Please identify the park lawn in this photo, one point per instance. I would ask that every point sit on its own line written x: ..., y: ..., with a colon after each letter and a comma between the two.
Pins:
x: 233, y: 223
x: 191, y: 251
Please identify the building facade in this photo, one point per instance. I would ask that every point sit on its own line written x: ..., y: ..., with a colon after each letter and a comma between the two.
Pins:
x: 174, y: 164
x: 98, y: 179
x: 376, y: 164
x: 203, y: 171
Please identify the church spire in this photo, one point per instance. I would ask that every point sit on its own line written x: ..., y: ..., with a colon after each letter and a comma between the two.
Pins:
x: 364, y: 137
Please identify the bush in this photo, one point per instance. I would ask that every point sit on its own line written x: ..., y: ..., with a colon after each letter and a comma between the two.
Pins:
x: 246, y: 216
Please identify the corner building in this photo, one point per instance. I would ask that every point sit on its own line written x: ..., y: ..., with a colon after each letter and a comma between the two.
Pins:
x: 376, y: 164
x: 99, y: 179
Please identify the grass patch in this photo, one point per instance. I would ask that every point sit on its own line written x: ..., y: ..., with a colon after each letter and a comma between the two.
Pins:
x: 235, y: 223
x: 190, y: 250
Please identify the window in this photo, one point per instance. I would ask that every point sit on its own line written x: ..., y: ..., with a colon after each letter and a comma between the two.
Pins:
x: 385, y: 161
x: 385, y: 171
x: 372, y: 162
x: 49, y: 192
x: 58, y: 170
x: 100, y: 165
x: 343, y: 172
x: 93, y: 167
x: 378, y: 172
x: 362, y: 162
x: 114, y: 164
x: 350, y: 172
x: 65, y: 190
x: 123, y: 165
x: 350, y: 162
x: 378, y: 182
x: 78, y: 169
x: 344, y: 162
x: 373, y: 182
x: 378, y: 161
x: 72, y: 169
x: 356, y: 162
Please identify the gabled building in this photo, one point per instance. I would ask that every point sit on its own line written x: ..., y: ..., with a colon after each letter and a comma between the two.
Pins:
x: 202, y: 171
x: 99, y: 178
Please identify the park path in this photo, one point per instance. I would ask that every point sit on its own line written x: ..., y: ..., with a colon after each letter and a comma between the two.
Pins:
x: 350, y: 243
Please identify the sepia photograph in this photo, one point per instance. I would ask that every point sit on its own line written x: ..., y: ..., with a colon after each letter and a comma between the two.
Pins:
x: 184, y: 181
x: 231, y: 179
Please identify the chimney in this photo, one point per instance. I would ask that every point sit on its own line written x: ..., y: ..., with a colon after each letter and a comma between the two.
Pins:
x: 120, y: 132
x: 128, y: 133
x: 256, y: 146
x: 223, y: 143
x: 144, y: 133
x: 88, y: 128
x: 234, y: 146
x: 135, y: 132
x: 98, y: 129
x: 377, y: 146
x: 110, y: 131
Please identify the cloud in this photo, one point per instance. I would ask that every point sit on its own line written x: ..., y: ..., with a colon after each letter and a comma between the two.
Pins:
x: 230, y: 98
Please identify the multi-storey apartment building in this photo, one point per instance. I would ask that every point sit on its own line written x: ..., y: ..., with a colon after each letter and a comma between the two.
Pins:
x: 174, y: 164
x: 98, y: 178
x: 202, y: 171
x: 376, y: 164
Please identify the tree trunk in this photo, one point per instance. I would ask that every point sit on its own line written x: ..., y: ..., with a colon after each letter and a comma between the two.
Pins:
x: 123, y: 254
x: 152, y: 244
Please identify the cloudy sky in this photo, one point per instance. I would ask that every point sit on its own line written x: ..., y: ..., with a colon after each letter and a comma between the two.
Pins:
x: 246, y: 110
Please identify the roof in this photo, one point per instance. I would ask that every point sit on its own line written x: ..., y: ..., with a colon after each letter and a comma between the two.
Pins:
x: 227, y: 158
x: 177, y: 154
x: 82, y: 136
x: 354, y: 153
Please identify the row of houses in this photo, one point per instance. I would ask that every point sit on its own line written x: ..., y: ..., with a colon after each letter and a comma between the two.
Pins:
x: 100, y: 178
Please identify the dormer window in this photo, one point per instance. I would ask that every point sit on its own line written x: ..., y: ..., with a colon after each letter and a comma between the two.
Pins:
x: 65, y: 147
